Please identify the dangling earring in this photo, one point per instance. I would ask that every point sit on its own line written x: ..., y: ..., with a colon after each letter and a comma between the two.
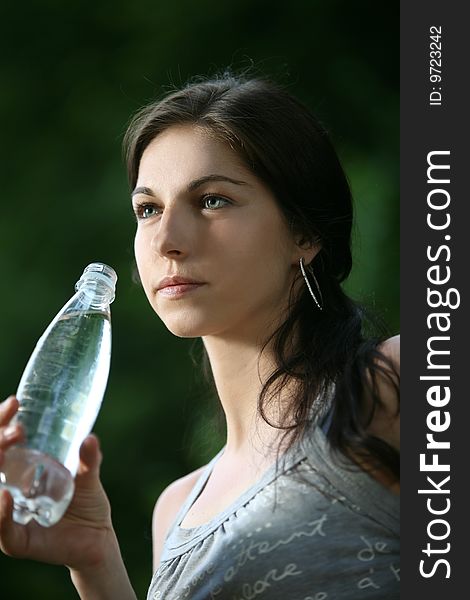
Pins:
x: 304, y: 274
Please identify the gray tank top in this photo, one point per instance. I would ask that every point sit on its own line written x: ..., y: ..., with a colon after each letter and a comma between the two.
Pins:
x: 315, y: 531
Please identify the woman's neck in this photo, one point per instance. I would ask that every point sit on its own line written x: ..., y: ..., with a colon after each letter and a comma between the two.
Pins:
x: 240, y: 370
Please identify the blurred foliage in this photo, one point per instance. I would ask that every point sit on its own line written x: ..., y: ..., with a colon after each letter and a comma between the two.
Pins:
x: 72, y: 74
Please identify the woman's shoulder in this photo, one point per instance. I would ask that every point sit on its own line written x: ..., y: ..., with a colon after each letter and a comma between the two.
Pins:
x: 385, y: 423
x: 390, y: 348
x: 182, y: 486
x: 167, y: 507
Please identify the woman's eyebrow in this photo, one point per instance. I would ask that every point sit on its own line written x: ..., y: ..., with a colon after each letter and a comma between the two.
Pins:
x: 213, y: 177
x: 194, y: 184
x: 142, y: 190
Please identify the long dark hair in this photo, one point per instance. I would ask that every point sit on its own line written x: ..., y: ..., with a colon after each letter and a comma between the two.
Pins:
x: 333, y: 350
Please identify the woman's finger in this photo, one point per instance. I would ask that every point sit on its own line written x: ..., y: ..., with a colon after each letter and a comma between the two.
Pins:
x: 7, y: 409
x: 90, y: 457
x: 12, y: 536
x: 9, y: 433
x: 12, y: 434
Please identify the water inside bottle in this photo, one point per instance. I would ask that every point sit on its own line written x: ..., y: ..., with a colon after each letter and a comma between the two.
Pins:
x: 57, y: 417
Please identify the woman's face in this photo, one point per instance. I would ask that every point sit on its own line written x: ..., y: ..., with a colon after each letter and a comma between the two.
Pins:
x: 202, y: 216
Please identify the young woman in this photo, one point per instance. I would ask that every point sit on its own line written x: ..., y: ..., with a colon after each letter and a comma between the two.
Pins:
x: 244, y: 218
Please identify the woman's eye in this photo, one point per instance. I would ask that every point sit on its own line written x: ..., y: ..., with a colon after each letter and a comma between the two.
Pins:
x: 145, y: 211
x: 214, y: 202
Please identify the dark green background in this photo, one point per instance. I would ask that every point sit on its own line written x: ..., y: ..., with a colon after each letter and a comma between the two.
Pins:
x: 71, y: 75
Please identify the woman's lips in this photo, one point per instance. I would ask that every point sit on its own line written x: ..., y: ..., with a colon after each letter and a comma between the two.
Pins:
x: 178, y: 289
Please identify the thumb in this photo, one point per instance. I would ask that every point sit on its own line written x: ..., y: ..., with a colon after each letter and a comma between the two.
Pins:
x: 90, y: 457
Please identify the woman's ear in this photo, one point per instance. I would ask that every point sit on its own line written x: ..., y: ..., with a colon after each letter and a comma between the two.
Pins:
x: 306, y: 248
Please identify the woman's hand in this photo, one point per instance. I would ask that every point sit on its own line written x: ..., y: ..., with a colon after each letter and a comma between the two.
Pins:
x: 83, y: 537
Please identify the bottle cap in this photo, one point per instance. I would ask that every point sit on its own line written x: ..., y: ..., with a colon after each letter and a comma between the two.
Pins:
x: 99, y: 273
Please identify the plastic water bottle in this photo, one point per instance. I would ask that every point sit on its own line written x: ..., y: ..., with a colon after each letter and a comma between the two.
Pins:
x: 60, y: 394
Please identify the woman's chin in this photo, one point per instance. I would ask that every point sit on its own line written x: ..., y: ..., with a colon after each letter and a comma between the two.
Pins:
x: 186, y: 328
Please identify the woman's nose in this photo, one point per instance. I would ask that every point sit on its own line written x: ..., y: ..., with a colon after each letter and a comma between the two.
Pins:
x: 172, y: 234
